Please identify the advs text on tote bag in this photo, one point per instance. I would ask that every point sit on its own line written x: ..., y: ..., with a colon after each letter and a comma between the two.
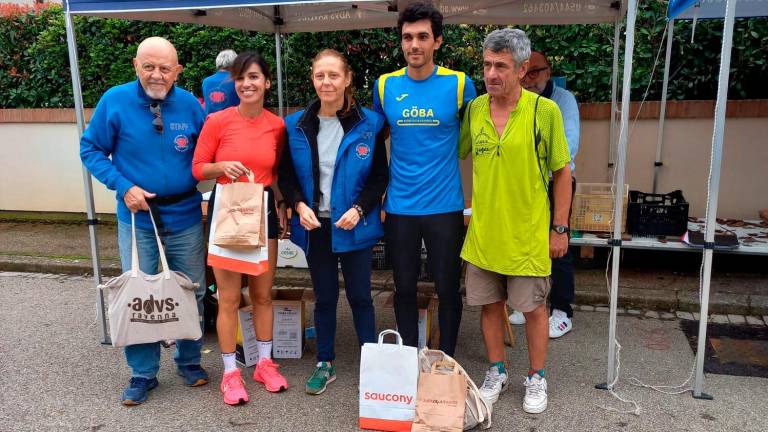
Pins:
x: 388, y: 378
x: 253, y: 261
x: 151, y: 308
x: 239, y: 215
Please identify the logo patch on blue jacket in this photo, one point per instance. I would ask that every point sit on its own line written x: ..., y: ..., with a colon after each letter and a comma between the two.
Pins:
x: 362, y: 151
x: 181, y: 143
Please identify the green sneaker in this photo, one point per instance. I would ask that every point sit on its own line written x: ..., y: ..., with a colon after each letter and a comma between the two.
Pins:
x: 324, y: 374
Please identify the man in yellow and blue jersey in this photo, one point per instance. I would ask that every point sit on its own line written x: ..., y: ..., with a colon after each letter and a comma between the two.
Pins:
x: 423, y: 104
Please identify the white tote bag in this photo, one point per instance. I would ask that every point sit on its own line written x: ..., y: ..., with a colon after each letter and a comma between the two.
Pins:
x: 388, y: 379
x: 151, y: 308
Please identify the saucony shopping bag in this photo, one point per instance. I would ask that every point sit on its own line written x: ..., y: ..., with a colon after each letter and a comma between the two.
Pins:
x: 388, y: 377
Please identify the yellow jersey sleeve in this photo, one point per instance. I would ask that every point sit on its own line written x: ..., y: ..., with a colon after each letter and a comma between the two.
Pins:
x: 465, y: 133
x: 550, y: 122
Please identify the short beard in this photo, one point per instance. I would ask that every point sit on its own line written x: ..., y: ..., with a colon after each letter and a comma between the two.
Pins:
x: 156, y: 95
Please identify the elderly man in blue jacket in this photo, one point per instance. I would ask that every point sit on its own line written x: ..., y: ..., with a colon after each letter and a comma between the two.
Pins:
x: 139, y: 143
x: 539, y: 80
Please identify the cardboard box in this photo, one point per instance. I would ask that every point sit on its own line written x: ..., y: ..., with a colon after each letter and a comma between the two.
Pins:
x: 246, y: 351
x: 288, y: 326
x: 290, y: 255
x: 429, y: 332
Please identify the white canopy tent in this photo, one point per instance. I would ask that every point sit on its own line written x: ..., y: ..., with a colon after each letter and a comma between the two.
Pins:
x: 308, y: 16
x: 706, y: 9
x: 694, y: 10
x: 728, y: 10
x: 289, y: 16
x: 685, y: 9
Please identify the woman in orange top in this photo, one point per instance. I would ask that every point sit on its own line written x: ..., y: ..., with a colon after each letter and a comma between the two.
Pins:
x: 232, y: 143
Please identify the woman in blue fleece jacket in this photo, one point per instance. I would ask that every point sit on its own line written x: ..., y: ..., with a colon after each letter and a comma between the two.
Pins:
x: 333, y: 174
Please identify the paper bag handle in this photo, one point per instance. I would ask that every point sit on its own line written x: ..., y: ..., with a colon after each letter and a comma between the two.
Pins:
x: 398, y: 338
x: 249, y: 175
x: 449, y: 366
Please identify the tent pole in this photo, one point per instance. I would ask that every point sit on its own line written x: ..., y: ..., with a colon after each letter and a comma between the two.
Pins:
x: 663, y: 108
x: 629, y: 46
x: 614, y: 103
x: 712, y: 192
x: 279, y: 60
x: 88, y: 186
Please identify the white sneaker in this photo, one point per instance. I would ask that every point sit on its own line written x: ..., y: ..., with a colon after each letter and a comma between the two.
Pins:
x: 535, y: 400
x: 493, y: 385
x: 559, y: 324
x: 516, y: 318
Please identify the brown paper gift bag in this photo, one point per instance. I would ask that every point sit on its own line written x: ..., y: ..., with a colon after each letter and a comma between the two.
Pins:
x: 239, y: 222
x: 440, y: 399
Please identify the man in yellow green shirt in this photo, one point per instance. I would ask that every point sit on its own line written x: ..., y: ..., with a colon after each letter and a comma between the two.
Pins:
x: 516, y: 138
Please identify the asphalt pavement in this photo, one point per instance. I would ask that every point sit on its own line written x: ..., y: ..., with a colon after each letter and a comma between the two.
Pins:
x: 56, y: 376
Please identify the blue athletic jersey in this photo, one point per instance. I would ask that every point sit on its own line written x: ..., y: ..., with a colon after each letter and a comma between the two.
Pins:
x: 424, y: 118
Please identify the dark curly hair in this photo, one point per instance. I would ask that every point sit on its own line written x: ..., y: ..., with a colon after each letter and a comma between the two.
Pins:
x: 420, y: 11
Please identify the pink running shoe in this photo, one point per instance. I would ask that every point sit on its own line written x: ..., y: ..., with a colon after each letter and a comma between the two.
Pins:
x: 267, y: 374
x: 233, y: 388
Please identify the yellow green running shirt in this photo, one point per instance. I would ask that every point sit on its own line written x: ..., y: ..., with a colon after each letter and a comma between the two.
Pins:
x: 509, y: 229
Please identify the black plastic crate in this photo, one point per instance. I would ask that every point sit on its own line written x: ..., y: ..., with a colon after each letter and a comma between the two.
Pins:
x: 657, y: 214
x: 380, y: 259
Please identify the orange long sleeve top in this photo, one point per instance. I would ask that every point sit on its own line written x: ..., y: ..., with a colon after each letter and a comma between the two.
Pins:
x: 255, y: 142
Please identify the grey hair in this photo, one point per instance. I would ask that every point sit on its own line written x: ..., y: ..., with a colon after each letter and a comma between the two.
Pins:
x: 225, y: 58
x: 512, y: 40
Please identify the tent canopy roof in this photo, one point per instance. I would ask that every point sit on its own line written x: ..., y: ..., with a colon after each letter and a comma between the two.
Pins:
x: 707, y: 9
x: 324, y: 15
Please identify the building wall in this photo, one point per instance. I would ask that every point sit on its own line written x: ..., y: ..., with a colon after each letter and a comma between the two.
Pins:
x: 686, y: 157
x: 40, y: 168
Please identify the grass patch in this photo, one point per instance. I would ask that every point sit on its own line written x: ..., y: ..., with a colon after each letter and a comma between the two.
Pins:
x: 54, y: 256
x: 54, y: 217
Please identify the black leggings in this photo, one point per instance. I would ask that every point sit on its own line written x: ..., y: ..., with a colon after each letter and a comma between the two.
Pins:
x: 442, y: 234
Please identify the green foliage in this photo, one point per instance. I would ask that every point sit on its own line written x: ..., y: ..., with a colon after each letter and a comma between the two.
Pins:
x: 370, y: 53
x: 16, y: 34
x: 34, y: 64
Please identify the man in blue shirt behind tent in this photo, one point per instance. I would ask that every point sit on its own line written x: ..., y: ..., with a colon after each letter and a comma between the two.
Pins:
x: 538, y: 80
x: 219, y: 88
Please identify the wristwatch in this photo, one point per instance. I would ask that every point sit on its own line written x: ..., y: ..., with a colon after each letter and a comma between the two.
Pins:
x: 561, y: 229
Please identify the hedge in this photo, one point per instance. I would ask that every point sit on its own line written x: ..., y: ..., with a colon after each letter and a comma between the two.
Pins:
x: 34, y: 66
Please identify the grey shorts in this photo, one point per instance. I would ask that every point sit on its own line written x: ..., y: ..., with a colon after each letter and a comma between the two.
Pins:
x: 522, y: 293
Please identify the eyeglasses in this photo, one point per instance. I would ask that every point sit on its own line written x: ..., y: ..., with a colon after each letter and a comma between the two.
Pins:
x: 534, y: 73
x: 157, y: 121
x: 164, y: 69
